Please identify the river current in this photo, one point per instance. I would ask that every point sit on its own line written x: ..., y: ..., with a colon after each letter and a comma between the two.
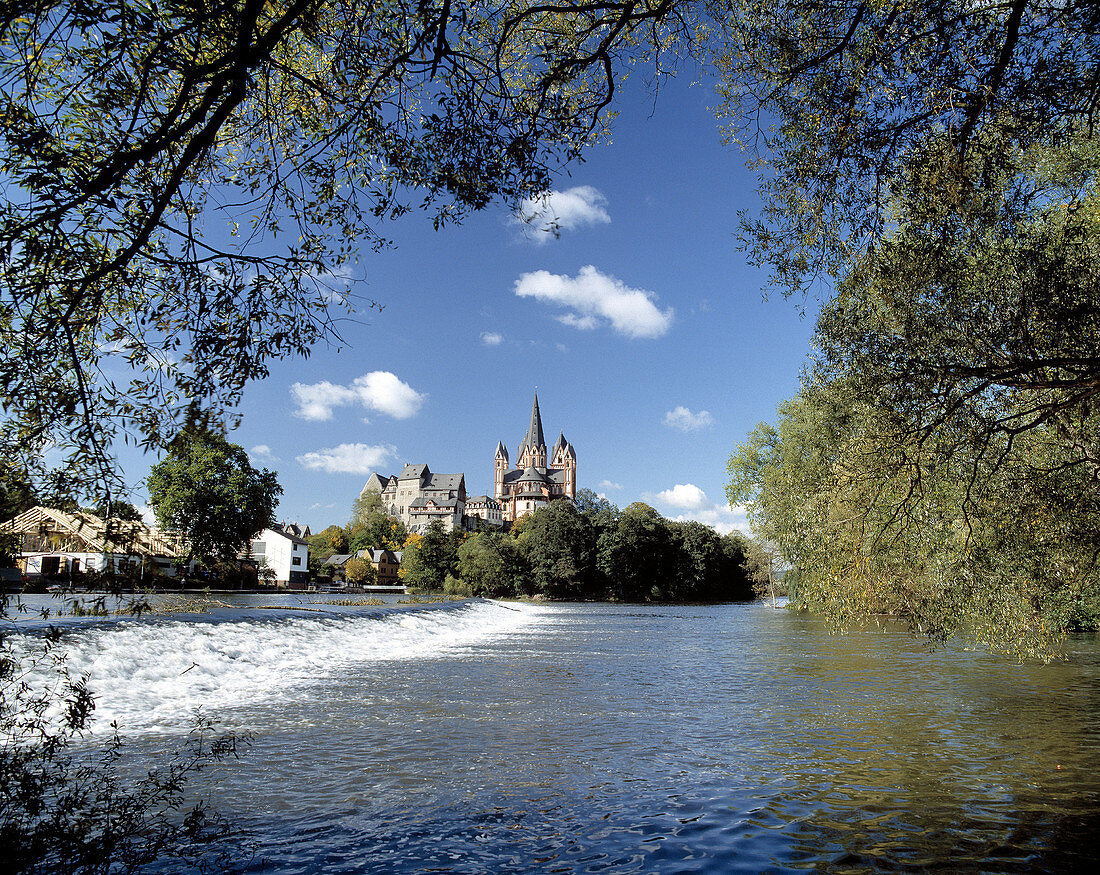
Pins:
x: 491, y: 737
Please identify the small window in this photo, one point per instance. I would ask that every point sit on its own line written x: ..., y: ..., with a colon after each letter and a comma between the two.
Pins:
x: 297, y: 560
x: 258, y: 548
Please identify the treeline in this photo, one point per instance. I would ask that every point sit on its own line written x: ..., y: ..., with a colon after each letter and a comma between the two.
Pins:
x: 584, y: 552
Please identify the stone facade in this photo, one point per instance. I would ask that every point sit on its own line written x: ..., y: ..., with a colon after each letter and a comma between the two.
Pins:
x: 483, y: 511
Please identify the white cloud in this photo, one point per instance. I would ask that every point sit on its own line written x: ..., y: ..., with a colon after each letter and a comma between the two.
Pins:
x: 554, y: 211
x: 688, y: 497
x: 378, y: 390
x: 262, y: 451
x: 609, y: 484
x: 683, y: 419
x: 316, y: 400
x: 594, y: 297
x: 491, y: 338
x: 722, y: 519
x: 348, y: 458
x: 384, y: 392
x: 685, y: 495
x: 584, y: 323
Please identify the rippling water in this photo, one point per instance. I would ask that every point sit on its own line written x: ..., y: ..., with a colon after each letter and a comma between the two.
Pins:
x: 602, y: 738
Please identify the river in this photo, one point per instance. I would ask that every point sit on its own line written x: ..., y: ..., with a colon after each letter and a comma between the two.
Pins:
x: 488, y: 737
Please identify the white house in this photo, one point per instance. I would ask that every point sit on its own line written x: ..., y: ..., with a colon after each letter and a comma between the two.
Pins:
x: 285, y: 550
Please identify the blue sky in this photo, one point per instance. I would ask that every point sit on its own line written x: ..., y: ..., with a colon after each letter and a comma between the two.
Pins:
x: 642, y: 326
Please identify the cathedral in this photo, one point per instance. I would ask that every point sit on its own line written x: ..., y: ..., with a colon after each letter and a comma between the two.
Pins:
x: 539, y: 477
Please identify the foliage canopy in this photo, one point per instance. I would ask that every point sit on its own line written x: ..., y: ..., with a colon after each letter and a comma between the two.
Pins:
x: 207, y: 490
x: 183, y: 183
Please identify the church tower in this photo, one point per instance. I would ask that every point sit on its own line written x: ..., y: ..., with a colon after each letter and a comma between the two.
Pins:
x: 532, y: 452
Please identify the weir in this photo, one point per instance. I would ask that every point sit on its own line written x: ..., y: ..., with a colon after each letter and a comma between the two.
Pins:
x: 155, y: 673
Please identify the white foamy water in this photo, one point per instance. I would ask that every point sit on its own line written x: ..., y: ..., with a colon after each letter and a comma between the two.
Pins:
x: 155, y: 676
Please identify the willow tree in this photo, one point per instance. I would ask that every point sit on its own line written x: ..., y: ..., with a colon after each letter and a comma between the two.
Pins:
x: 185, y: 182
x: 932, y: 173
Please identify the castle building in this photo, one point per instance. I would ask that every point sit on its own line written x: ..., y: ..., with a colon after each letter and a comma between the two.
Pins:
x: 539, y: 477
x: 418, y: 497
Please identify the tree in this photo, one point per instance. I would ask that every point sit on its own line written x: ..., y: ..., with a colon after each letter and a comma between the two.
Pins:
x: 206, y: 489
x: 184, y: 183
x: 377, y: 532
x: 427, y: 562
x: 371, y: 527
x: 65, y: 807
x: 707, y: 565
x: 637, y: 556
x: 850, y: 104
x: 762, y: 567
x: 938, y: 164
x: 115, y: 510
x: 16, y: 496
x: 560, y: 546
x: 872, y: 527
x: 333, y: 539
x: 599, y: 511
x: 492, y: 564
x: 360, y: 572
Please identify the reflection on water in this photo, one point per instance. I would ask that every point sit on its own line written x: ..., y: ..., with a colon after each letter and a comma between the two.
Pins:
x: 594, y: 738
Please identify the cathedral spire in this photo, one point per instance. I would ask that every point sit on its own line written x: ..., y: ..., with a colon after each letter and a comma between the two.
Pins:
x: 534, y: 438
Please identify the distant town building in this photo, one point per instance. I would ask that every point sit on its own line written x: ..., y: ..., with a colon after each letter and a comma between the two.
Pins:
x: 387, y: 563
x: 418, y: 497
x: 539, y: 477
x: 55, y: 544
x: 483, y: 511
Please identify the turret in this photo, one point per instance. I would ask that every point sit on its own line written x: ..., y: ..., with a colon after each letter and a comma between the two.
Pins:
x: 501, y: 467
x: 569, y: 463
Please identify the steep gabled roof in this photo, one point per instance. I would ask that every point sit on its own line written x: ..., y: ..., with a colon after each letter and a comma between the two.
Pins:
x: 418, y: 471
x: 289, y: 531
x: 502, y: 451
x: 444, y: 481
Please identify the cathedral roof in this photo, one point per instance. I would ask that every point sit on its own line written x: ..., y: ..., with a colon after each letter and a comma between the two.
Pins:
x: 533, y: 474
x: 502, y: 450
x: 534, y: 437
